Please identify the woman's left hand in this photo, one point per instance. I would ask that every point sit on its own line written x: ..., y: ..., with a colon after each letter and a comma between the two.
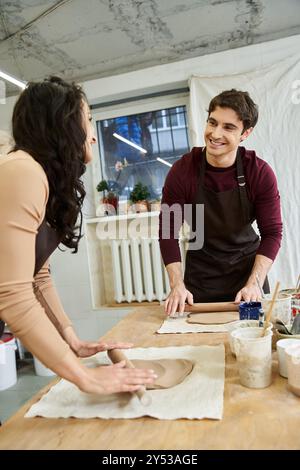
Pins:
x: 89, y: 348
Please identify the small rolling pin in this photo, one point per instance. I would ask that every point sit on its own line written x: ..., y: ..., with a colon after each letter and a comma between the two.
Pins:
x: 115, y: 356
x: 212, y: 307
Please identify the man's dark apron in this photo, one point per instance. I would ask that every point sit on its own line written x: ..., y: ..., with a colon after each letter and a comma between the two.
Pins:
x: 47, y: 240
x: 217, y: 271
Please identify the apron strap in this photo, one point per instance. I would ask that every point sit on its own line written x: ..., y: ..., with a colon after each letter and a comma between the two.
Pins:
x: 47, y: 240
x: 242, y: 186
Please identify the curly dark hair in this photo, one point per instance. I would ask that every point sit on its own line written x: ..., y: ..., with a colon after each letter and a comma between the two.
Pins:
x: 240, y: 102
x: 48, y: 124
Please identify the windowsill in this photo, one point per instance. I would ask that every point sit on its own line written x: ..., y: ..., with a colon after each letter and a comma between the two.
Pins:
x: 112, y: 218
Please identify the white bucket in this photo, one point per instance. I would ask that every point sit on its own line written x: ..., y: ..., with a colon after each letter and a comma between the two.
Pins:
x: 254, y: 357
x: 281, y: 346
x: 243, y: 324
x: 40, y: 369
x: 282, y: 307
x: 8, y: 369
x: 293, y: 368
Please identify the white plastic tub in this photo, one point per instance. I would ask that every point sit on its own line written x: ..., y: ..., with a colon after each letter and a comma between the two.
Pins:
x: 282, y: 307
x: 8, y: 368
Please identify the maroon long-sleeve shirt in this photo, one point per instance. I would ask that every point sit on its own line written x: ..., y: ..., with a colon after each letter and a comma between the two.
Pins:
x: 181, y: 187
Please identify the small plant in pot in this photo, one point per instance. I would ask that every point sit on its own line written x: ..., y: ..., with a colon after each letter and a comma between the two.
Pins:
x: 109, y: 201
x: 139, y: 198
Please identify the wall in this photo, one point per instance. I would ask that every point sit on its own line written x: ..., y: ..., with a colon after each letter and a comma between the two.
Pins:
x: 6, y: 110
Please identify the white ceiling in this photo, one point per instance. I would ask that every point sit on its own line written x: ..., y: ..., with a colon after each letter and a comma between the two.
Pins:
x: 84, y: 39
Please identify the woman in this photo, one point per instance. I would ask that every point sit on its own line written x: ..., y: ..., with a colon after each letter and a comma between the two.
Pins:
x: 41, y: 196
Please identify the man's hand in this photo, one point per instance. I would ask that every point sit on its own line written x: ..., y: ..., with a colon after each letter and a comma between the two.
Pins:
x: 249, y: 293
x: 176, y: 299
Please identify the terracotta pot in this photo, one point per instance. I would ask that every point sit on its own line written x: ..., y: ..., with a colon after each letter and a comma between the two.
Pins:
x: 110, y: 205
x: 155, y: 206
x: 141, y: 206
x: 113, y: 201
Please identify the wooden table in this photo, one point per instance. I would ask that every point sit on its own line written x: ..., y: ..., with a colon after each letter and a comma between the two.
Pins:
x: 253, y: 419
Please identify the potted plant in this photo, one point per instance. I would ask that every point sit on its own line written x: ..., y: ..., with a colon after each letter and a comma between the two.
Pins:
x: 138, y: 198
x: 109, y: 201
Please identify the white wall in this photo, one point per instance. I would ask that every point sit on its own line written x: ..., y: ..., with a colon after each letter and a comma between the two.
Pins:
x: 71, y: 278
x: 6, y: 110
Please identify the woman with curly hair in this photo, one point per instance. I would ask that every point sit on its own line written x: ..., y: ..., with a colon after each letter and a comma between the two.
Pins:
x: 41, y: 196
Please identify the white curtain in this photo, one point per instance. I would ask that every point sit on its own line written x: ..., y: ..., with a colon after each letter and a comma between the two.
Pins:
x: 276, y: 137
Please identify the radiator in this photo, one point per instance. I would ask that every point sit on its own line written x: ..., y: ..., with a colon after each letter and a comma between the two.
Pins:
x: 138, y: 270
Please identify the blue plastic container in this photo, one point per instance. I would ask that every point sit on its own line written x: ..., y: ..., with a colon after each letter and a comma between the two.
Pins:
x: 249, y: 310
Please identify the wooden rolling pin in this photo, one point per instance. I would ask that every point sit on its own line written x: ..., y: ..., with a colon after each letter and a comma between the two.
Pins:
x: 212, y: 307
x: 115, y: 356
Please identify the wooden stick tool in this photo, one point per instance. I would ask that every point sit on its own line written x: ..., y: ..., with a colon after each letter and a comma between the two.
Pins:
x: 269, y: 314
x: 115, y: 356
x: 298, y: 284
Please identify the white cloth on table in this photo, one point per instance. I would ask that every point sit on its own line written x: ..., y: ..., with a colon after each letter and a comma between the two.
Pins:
x: 203, y: 387
x: 180, y: 325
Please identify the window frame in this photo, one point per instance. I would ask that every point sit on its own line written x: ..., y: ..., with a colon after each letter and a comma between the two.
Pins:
x: 133, y: 107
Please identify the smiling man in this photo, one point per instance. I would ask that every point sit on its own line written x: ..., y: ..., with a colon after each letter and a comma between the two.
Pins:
x: 236, y: 188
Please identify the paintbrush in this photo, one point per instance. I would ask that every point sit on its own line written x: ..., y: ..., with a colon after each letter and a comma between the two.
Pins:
x: 259, y: 286
x: 298, y: 284
x: 269, y: 314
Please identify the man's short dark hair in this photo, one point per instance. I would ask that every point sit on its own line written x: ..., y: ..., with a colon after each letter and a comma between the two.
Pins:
x: 240, y: 102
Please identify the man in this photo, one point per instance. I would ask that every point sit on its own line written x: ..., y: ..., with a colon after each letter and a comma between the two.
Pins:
x: 236, y: 187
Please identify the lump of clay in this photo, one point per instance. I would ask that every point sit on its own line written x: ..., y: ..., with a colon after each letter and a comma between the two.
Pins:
x: 170, y: 372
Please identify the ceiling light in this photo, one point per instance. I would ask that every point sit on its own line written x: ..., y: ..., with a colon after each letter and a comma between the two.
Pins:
x: 161, y: 160
x: 13, y: 80
x: 128, y: 142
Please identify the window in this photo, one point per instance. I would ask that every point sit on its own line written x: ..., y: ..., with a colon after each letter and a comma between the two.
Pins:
x: 130, y: 145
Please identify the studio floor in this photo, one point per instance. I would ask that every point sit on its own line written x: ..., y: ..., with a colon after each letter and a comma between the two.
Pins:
x: 27, y: 385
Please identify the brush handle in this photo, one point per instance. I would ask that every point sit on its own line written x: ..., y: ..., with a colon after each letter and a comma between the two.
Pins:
x: 260, y: 287
x: 269, y: 314
x: 115, y: 356
x: 298, y: 284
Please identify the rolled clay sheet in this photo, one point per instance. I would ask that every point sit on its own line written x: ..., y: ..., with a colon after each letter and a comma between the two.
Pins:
x: 170, y: 372
x: 212, y: 307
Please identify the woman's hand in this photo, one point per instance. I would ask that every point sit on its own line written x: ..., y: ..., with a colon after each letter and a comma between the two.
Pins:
x: 102, y: 380
x: 116, y: 378
x: 88, y: 348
